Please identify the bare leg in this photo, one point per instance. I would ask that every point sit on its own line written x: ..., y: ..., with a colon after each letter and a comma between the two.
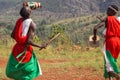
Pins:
x: 113, y: 74
x: 110, y: 78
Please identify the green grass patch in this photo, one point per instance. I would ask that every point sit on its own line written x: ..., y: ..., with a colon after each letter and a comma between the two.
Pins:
x: 64, y: 58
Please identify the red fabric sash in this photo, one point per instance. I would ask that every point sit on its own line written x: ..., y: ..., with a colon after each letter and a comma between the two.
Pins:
x: 113, y: 27
x: 21, y: 43
x: 113, y: 36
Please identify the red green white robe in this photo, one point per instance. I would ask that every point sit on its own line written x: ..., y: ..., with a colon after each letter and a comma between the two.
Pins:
x: 22, y: 63
x: 112, y: 45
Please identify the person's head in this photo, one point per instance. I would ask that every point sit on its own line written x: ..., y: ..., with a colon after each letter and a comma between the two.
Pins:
x: 25, y: 12
x: 112, y: 10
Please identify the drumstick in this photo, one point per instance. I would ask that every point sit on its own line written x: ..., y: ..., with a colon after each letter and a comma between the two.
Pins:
x: 53, y: 38
x: 102, y: 20
x: 48, y: 42
x: 99, y: 18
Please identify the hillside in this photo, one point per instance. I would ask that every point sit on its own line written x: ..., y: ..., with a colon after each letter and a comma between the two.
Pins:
x: 76, y: 17
x: 58, y: 9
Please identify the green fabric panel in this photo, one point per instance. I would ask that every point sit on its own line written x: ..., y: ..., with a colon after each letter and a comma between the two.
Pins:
x: 113, y: 63
x: 24, y: 71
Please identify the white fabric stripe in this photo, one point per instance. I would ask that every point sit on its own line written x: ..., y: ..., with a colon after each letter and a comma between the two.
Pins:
x: 118, y: 19
x: 26, y: 25
x: 108, y: 65
x: 39, y: 68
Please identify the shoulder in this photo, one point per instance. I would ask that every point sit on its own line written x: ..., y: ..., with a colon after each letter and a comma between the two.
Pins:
x: 28, y: 20
x: 32, y: 25
x: 19, y: 20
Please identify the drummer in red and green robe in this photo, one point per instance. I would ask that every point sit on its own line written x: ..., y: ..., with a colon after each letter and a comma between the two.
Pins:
x: 111, y: 48
x: 22, y: 63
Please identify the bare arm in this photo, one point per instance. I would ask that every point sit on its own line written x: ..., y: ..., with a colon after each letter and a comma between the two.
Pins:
x: 13, y: 32
x: 99, y: 25
x: 31, y: 35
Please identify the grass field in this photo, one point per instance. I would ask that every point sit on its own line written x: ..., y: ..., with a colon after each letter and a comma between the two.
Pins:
x: 61, y: 61
x: 63, y: 58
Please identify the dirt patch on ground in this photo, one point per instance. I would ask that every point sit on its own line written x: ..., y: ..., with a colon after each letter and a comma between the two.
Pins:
x: 3, y: 62
x: 72, y: 73
x: 42, y: 61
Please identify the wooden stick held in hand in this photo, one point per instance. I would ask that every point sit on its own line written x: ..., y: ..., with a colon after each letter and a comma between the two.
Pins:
x: 99, y: 18
x: 102, y: 20
x: 52, y: 39
x: 48, y: 42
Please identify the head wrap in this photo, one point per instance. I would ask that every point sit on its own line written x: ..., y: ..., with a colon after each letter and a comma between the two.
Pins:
x: 111, y: 7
